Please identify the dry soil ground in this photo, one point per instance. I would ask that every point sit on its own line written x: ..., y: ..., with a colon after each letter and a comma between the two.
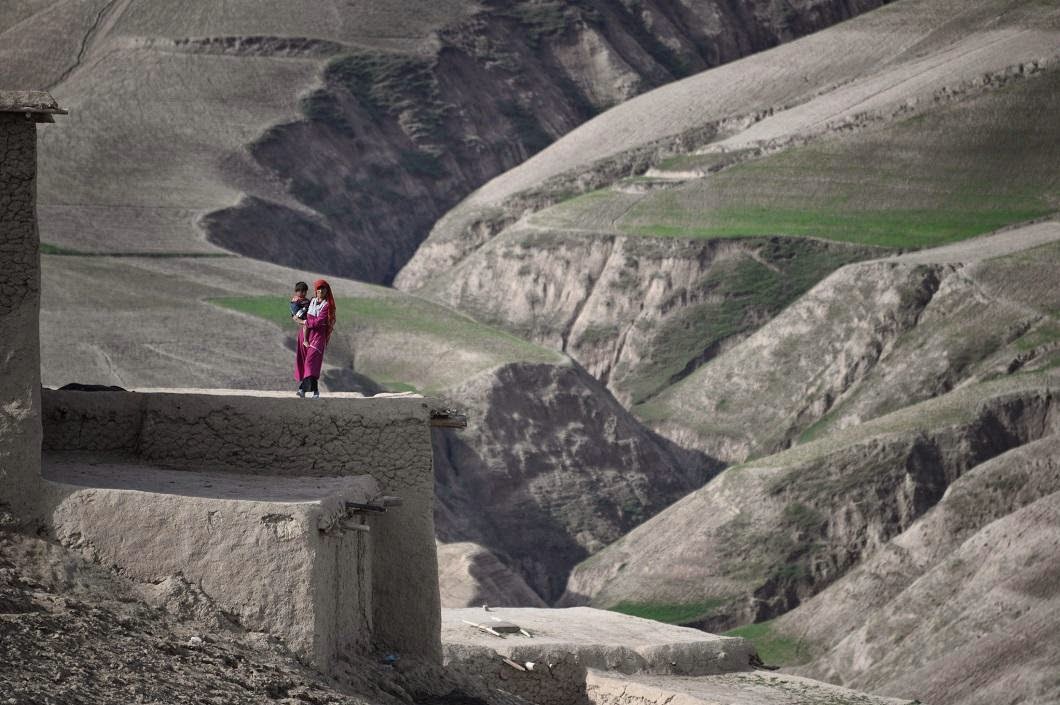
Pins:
x: 72, y: 633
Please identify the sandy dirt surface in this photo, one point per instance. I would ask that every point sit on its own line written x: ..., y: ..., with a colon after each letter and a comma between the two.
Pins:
x: 125, y: 322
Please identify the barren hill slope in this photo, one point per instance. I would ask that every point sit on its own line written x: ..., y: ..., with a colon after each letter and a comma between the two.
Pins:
x: 646, y: 280
x: 989, y: 548
x: 874, y: 65
x: 858, y: 352
x: 756, y: 541
x: 268, y: 127
x: 910, y: 547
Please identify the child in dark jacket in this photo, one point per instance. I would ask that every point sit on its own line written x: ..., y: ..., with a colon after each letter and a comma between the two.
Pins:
x: 300, y: 302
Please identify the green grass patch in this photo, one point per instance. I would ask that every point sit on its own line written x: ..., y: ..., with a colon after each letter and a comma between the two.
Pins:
x: 392, y: 386
x: 901, y: 229
x: 597, y: 334
x: 409, y: 335
x: 670, y: 613
x: 272, y: 308
x: 774, y: 649
x: 801, y: 517
x: 400, y: 314
x: 821, y: 426
x: 47, y: 248
x: 960, y: 170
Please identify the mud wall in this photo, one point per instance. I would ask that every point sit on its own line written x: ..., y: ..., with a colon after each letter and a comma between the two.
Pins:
x: 20, y: 426
x: 274, y: 555
x: 387, y: 439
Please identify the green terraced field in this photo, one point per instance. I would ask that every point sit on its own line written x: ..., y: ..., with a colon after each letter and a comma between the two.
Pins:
x: 954, y: 172
x: 896, y: 229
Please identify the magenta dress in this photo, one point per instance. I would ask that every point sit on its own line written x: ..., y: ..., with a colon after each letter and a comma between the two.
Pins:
x: 309, y: 360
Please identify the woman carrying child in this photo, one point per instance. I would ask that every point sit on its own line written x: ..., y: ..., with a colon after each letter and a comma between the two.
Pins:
x: 313, y: 338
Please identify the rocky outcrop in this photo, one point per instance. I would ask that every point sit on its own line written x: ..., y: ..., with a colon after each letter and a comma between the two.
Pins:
x: 495, y: 88
x: 550, y: 470
x: 770, y: 534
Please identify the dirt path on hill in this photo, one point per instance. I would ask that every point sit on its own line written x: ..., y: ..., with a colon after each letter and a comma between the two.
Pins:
x: 998, y: 244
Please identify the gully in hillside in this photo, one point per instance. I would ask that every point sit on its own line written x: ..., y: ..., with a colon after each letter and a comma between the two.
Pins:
x: 316, y: 320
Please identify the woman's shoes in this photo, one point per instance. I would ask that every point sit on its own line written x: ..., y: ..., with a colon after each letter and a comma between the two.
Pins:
x: 300, y: 393
x: 316, y: 395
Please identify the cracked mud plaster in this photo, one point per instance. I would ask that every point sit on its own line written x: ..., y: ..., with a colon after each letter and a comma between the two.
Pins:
x: 20, y: 431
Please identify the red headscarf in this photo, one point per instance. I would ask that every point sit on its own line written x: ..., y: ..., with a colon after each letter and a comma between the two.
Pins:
x: 322, y: 284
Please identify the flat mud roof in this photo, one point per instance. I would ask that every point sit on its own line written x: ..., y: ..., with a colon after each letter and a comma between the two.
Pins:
x: 36, y: 105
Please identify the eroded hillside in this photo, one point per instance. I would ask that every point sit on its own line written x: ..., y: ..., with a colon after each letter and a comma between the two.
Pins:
x: 331, y: 139
x: 870, y: 339
x: 303, y: 137
x: 903, y: 543
x: 866, y: 344
x: 736, y: 209
x: 902, y: 59
x: 989, y: 545
x: 480, y: 96
x: 894, y: 411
